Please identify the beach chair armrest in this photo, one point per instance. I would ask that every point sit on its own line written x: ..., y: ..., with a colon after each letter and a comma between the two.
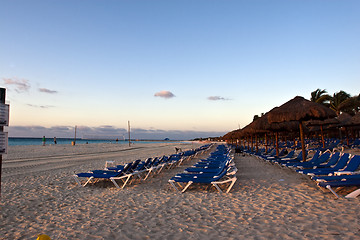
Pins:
x: 340, y: 173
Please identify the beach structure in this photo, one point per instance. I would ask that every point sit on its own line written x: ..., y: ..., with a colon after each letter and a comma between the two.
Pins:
x: 4, y: 121
x: 299, y: 109
x: 316, y: 161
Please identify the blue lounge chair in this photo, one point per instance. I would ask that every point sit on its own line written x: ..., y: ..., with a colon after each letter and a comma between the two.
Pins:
x: 101, y: 174
x: 326, y: 171
x: 214, y: 179
x: 216, y: 170
x: 334, y: 158
x: 346, y: 181
x: 315, y: 161
x: 274, y: 157
x: 136, y: 170
x: 296, y: 159
x: 321, y: 159
x: 333, y: 178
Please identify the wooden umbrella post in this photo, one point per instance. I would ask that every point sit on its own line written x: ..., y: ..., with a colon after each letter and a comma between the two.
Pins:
x: 302, y: 141
x: 322, y: 136
x: 248, y: 143
x: 277, y: 143
x: 252, y: 143
x: 256, y: 143
x: 266, y: 143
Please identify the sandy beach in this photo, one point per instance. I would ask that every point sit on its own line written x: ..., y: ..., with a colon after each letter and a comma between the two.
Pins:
x: 266, y: 202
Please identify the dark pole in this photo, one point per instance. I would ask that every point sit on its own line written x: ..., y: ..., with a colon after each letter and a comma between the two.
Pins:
x: 322, y: 136
x: 2, y: 101
x: 302, y: 141
x: 277, y: 143
x: 129, y: 132
x: 75, y: 135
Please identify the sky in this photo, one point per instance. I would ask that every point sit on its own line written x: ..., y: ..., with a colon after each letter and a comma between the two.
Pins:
x: 177, y: 69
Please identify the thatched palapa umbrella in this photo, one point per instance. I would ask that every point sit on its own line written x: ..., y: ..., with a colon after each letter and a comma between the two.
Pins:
x: 299, y: 109
x: 355, y: 120
x: 322, y: 123
x: 262, y: 125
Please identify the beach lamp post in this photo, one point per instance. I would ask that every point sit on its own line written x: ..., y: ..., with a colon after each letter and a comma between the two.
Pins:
x: 4, y: 121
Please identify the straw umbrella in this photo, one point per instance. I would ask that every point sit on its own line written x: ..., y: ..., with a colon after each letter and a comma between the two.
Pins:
x: 344, y: 121
x: 355, y: 122
x: 254, y: 128
x: 322, y: 123
x: 262, y: 125
x: 299, y: 109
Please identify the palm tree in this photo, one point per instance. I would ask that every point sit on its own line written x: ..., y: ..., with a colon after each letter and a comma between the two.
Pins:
x: 340, y: 101
x: 320, y: 96
x: 350, y: 105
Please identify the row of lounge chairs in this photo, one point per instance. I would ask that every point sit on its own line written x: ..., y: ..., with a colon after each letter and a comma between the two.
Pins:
x: 330, y: 170
x: 217, y: 170
x: 137, y: 169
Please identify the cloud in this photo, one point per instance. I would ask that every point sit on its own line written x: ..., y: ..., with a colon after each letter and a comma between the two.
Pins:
x: 45, y: 90
x: 21, y: 85
x: 107, y: 132
x: 164, y: 94
x: 40, y: 106
x: 217, y: 98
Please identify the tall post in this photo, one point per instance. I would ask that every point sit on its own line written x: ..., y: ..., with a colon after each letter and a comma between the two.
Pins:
x: 302, y: 141
x: 129, y: 133
x: 2, y: 101
x: 266, y: 143
x: 75, y: 135
x: 322, y: 136
x: 277, y: 143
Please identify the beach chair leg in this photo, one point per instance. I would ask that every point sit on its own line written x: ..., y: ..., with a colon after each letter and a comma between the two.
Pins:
x: 148, y: 174
x: 77, y: 180
x: 353, y: 194
x: 161, y: 168
x: 187, y: 186
x: 90, y: 178
x: 333, y: 192
x: 115, y: 183
x: 128, y: 178
x: 217, y: 187
x: 231, y: 185
x: 172, y: 184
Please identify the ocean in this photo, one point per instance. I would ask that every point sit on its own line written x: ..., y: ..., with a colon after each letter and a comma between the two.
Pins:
x: 14, y: 141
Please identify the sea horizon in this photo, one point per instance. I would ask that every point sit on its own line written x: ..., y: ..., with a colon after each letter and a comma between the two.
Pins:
x: 24, y: 141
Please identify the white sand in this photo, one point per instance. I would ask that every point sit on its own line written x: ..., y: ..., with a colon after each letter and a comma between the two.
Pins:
x: 267, y: 202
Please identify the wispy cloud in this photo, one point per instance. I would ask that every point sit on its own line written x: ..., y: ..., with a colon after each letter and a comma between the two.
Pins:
x: 21, y: 85
x: 45, y: 90
x: 217, y: 98
x: 108, y: 132
x: 164, y: 94
x: 40, y: 106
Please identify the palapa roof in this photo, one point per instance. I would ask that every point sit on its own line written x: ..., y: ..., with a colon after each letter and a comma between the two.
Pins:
x: 233, y: 134
x: 344, y: 119
x: 325, y: 122
x: 300, y: 109
x: 355, y: 120
x: 262, y: 125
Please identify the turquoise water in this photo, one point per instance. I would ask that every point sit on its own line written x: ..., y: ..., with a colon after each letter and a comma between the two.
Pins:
x: 38, y: 141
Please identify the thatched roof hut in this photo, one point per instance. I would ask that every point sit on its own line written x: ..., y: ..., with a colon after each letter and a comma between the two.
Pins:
x: 299, y: 109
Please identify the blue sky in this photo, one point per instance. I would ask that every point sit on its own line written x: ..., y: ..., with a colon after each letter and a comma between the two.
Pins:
x: 169, y: 67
